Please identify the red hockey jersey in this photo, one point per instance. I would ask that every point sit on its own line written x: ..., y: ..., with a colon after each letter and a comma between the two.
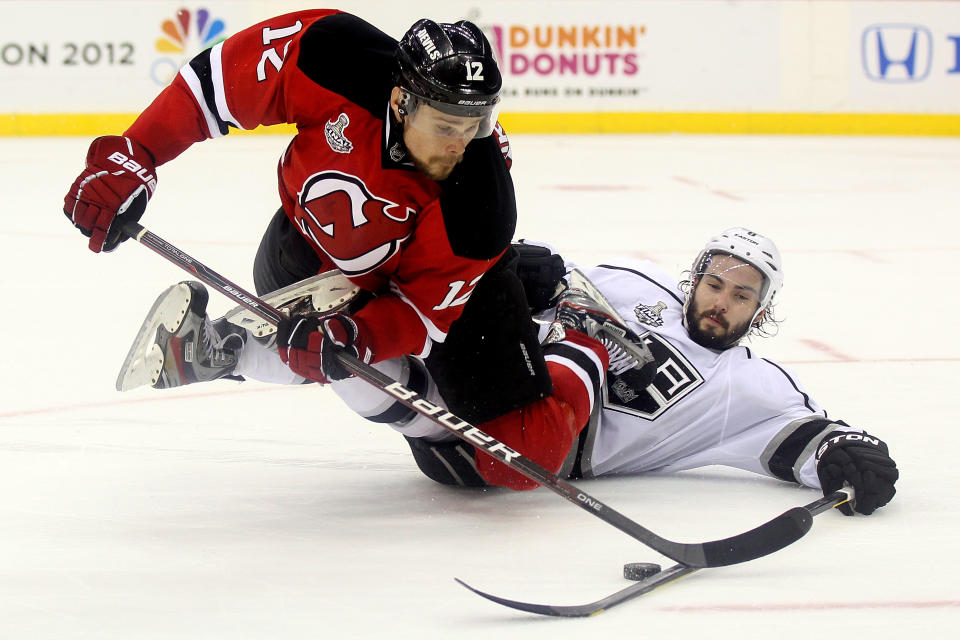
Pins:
x: 346, y: 180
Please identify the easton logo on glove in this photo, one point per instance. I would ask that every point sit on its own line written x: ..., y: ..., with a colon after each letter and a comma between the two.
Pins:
x: 848, y: 437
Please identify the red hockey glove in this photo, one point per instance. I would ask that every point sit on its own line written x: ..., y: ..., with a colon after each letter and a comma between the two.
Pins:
x: 119, y: 179
x: 307, y: 344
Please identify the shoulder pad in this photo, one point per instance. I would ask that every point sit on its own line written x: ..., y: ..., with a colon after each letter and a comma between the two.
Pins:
x: 351, y: 57
x: 478, y: 202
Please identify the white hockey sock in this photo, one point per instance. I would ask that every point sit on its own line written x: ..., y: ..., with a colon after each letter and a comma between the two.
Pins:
x: 257, y: 362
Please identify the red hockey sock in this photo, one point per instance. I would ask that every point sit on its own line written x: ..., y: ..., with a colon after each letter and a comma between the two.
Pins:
x: 545, y: 430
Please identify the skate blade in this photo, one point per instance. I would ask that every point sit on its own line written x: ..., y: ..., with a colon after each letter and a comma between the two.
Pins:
x: 623, y: 337
x: 144, y: 362
x: 580, y: 281
x: 329, y: 291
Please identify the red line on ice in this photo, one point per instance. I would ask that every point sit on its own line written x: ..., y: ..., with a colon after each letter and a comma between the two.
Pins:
x: 876, y: 360
x: 815, y: 606
x: 597, y: 187
x: 116, y: 403
x: 825, y: 348
x: 166, y: 398
x: 867, y: 255
x: 724, y: 194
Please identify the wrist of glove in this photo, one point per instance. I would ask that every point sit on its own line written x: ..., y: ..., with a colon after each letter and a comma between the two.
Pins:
x: 118, y: 181
x: 308, y: 344
x: 862, y: 461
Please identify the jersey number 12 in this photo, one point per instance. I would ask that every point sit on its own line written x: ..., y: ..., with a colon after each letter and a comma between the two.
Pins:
x: 454, y: 300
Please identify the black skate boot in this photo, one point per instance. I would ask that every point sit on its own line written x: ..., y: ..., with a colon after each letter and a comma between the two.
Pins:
x: 178, y: 344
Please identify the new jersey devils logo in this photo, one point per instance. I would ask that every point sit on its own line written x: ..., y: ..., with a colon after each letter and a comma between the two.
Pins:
x: 354, y: 227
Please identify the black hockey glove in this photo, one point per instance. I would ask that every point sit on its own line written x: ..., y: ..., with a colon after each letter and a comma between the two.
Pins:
x: 862, y: 461
x: 540, y: 271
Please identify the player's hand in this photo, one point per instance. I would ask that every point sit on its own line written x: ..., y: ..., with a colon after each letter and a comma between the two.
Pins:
x: 308, y: 343
x: 114, y: 187
x: 861, y: 461
x: 541, y: 271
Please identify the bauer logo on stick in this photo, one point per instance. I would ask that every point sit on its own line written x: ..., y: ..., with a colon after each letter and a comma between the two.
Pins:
x: 474, y: 435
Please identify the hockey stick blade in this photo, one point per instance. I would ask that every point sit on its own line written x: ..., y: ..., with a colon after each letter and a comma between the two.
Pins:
x: 765, y: 539
x: 636, y: 589
x: 643, y: 586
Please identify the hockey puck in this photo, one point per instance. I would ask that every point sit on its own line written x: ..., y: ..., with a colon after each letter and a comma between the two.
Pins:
x: 640, y: 570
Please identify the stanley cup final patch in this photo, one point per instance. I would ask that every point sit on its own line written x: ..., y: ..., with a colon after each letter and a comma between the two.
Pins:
x: 397, y: 153
x: 650, y: 315
x: 333, y: 130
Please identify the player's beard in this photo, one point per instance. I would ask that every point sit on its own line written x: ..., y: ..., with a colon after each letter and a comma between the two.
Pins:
x: 716, y: 337
x: 436, y: 167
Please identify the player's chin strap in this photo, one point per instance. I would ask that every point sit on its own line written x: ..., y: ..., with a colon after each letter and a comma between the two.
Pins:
x: 771, y: 536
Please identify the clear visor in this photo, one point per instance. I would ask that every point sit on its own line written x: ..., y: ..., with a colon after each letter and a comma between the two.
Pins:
x: 444, y: 120
x: 741, y: 282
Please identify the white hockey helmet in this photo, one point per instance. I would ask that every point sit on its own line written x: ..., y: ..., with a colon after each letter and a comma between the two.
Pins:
x: 752, y: 248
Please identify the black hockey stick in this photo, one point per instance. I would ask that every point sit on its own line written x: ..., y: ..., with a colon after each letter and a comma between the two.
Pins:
x: 646, y: 585
x: 771, y: 536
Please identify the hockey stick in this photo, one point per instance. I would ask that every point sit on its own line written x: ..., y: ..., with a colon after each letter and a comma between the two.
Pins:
x: 646, y: 585
x: 767, y: 538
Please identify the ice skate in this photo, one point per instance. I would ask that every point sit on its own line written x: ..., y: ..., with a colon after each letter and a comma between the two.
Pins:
x: 583, y: 308
x: 178, y: 344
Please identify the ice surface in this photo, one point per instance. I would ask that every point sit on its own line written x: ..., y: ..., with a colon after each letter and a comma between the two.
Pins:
x: 234, y: 511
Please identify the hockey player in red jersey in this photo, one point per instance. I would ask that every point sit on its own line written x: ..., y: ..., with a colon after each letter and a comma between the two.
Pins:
x: 373, y: 161
x: 398, y: 177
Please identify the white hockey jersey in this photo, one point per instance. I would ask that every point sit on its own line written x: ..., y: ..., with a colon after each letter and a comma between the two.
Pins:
x: 705, y: 407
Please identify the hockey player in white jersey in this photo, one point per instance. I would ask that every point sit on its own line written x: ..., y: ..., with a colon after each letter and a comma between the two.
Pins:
x: 712, y: 400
